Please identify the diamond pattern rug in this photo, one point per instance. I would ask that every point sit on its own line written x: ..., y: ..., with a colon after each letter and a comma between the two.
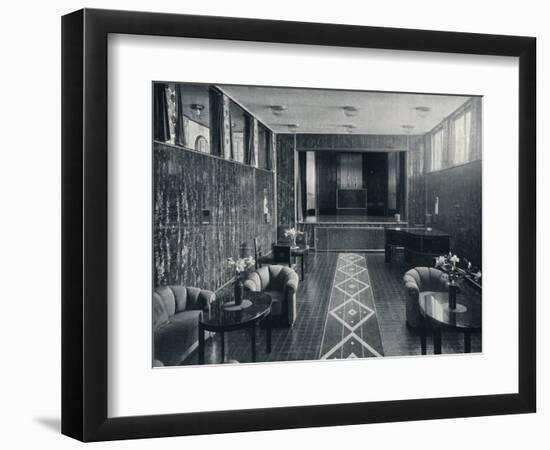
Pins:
x: 351, y: 327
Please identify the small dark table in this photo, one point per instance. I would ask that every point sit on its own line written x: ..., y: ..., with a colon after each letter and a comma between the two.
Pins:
x: 300, y: 251
x: 222, y: 320
x: 435, y: 311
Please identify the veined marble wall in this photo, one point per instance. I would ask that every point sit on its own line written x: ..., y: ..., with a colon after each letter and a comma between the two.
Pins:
x: 189, y: 249
x: 285, y: 155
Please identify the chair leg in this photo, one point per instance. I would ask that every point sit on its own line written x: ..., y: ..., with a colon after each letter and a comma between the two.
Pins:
x: 467, y: 341
x: 437, y: 340
x: 268, y: 335
x: 422, y: 326
x: 252, y: 331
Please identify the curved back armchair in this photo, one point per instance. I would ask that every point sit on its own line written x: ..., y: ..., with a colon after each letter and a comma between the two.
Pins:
x: 421, y: 279
x: 176, y: 311
x: 281, y: 283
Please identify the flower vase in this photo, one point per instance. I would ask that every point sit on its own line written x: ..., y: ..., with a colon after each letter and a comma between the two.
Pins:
x: 238, y: 291
x: 453, y: 289
x: 293, y: 242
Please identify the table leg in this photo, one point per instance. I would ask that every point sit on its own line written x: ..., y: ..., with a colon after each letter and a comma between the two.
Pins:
x: 422, y: 336
x: 268, y: 335
x: 201, y: 344
x: 302, y: 267
x: 253, y: 341
x: 223, y: 345
x: 467, y: 341
x: 437, y: 340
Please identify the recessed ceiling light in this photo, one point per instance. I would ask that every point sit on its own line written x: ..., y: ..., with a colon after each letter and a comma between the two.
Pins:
x: 422, y: 111
x: 407, y: 128
x: 293, y: 126
x: 278, y: 110
x: 350, y: 111
x: 349, y: 127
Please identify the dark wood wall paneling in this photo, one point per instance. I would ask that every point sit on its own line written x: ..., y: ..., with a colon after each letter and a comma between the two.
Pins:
x: 375, y: 179
x: 331, y: 171
x: 191, y: 253
x: 350, y: 142
x: 285, y: 183
x: 459, y: 188
x: 459, y: 192
x: 327, y: 175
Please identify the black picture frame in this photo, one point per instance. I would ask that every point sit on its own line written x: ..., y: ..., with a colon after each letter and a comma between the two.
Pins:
x: 84, y: 224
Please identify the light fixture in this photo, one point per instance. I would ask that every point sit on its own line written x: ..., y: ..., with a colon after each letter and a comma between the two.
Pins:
x: 422, y: 111
x: 349, y: 127
x: 407, y: 128
x: 350, y: 111
x: 293, y: 126
x: 197, y: 109
x: 278, y: 110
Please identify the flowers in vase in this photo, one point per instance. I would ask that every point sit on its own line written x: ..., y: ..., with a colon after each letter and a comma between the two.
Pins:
x: 450, y: 264
x: 241, y: 265
x: 292, y: 233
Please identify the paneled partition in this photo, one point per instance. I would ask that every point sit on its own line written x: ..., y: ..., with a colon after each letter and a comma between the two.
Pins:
x: 206, y: 209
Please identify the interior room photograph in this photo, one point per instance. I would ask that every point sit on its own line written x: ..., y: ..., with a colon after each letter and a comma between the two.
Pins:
x: 294, y: 224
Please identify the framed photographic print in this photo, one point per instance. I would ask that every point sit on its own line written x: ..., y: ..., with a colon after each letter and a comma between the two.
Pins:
x: 274, y: 224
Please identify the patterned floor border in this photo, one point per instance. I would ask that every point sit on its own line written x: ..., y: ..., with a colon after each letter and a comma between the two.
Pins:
x: 351, y: 326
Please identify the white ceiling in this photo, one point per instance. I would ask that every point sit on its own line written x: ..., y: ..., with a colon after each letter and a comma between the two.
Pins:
x: 320, y: 110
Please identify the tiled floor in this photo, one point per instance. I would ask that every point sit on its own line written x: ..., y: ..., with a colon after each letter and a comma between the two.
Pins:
x: 303, y: 340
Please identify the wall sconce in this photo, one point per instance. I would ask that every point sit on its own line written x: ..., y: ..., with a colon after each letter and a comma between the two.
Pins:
x: 350, y: 111
x: 278, y: 110
x: 197, y: 109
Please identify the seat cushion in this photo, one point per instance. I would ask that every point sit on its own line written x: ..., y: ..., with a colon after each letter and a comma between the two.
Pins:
x: 160, y: 316
x: 175, y: 337
x: 258, y: 280
x: 180, y: 296
x: 277, y: 298
x: 168, y: 299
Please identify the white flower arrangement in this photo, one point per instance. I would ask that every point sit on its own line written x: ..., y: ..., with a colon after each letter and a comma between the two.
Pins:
x: 292, y: 233
x: 241, y: 265
x: 449, y: 263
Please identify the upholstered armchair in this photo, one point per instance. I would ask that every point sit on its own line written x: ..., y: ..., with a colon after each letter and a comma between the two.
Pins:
x: 418, y: 280
x: 281, y: 283
x: 176, y: 311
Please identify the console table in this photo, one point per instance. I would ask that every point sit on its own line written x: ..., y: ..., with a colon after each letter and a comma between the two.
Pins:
x: 421, y: 244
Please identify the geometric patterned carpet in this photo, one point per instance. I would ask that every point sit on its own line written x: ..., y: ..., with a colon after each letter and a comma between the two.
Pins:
x: 351, y: 327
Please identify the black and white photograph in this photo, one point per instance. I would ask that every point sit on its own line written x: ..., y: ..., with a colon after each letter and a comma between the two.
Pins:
x: 300, y: 224
x: 275, y: 225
